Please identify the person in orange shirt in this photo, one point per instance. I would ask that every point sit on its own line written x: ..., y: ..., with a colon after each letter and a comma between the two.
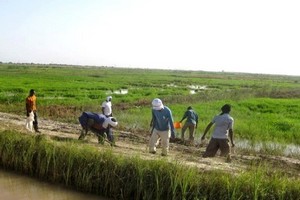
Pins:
x: 31, y: 106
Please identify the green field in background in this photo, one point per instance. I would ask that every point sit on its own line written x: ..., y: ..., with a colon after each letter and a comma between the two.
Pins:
x: 265, y: 107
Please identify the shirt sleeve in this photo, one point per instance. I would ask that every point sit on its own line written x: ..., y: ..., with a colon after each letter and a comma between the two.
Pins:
x: 230, y: 125
x: 171, y: 121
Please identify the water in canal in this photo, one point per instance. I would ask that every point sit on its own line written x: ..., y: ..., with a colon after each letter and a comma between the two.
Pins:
x: 18, y: 187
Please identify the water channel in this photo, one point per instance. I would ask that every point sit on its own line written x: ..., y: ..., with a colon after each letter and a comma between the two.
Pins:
x: 14, y: 186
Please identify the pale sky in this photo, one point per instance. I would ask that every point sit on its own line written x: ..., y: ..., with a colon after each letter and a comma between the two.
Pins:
x: 257, y: 36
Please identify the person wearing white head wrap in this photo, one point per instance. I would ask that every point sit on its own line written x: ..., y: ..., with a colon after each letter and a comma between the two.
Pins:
x: 162, y: 127
x: 106, y: 107
x: 110, y: 121
x: 109, y: 98
x: 157, y: 104
x: 98, y: 124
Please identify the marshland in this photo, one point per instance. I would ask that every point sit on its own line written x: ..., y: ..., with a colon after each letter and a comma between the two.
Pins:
x: 266, y: 108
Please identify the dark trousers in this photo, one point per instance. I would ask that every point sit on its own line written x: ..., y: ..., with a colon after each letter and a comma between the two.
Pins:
x: 35, y: 123
x: 191, y: 127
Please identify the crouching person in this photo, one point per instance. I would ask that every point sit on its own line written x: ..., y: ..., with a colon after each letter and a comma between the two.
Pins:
x: 99, y: 124
x: 222, y: 134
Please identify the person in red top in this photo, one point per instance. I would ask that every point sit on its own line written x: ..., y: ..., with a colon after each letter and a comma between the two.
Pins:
x: 31, y: 106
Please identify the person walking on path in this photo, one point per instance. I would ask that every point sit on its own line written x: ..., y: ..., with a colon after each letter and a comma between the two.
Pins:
x: 106, y: 107
x: 223, y: 132
x: 191, y: 122
x: 162, y: 127
x: 31, y: 106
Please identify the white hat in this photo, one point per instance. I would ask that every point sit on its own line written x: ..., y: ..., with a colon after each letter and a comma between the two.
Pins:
x: 108, y: 98
x: 157, y: 104
x: 110, y: 121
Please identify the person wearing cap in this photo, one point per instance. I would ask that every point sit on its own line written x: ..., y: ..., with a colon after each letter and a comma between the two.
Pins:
x: 223, y: 132
x: 106, y: 107
x: 162, y: 127
x: 191, y: 122
x: 31, y: 106
x: 98, y: 124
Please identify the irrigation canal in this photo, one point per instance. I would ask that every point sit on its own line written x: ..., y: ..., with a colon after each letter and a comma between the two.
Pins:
x: 15, y: 186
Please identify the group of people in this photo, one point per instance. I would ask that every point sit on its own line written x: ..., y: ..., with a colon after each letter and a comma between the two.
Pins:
x: 162, y: 126
x: 99, y: 123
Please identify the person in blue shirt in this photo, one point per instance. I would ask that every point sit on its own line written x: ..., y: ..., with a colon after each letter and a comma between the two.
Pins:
x: 191, y: 122
x: 162, y: 127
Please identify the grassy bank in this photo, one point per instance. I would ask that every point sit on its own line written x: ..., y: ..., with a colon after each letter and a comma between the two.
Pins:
x: 85, y: 168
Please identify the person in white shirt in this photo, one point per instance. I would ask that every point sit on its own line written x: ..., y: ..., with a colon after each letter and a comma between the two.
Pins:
x: 107, y: 107
x: 223, y: 132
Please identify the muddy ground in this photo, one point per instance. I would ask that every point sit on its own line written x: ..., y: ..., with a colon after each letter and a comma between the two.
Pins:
x: 135, y: 144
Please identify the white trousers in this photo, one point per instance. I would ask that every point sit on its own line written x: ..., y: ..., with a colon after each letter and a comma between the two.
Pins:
x: 154, y: 140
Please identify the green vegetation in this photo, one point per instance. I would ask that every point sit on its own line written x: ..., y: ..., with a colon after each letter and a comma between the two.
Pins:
x: 101, y: 172
x: 266, y: 109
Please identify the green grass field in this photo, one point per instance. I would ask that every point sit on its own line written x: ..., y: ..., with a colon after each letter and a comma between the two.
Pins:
x: 265, y: 107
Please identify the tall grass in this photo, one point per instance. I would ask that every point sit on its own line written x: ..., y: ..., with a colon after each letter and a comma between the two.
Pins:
x: 88, y: 169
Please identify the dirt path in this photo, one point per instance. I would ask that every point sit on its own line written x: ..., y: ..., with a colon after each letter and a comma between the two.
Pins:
x: 130, y: 144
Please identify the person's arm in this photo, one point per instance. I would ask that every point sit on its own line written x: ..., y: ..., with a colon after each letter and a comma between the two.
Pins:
x: 184, y: 116
x: 196, y: 120
x: 172, y: 125
x: 151, y: 126
x: 151, y: 122
x: 231, y: 137
x: 206, y: 130
x: 28, y: 106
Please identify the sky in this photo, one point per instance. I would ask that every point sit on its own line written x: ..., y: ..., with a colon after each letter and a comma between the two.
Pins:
x: 257, y: 36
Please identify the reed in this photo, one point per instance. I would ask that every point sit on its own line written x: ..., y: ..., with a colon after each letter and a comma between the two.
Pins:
x: 88, y: 169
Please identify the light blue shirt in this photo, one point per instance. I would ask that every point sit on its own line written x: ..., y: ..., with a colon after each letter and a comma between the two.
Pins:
x: 191, y: 116
x: 222, y: 124
x: 163, y: 120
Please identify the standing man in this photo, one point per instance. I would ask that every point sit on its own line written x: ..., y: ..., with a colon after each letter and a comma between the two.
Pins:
x: 191, y: 122
x: 107, y: 107
x: 31, y: 106
x: 223, y: 132
x: 162, y: 127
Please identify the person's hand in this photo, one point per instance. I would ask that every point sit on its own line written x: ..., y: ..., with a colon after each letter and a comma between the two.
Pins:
x: 150, y: 131
x: 27, y: 114
x: 232, y: 144
x: 173, y: 134
x: 203, y: 137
